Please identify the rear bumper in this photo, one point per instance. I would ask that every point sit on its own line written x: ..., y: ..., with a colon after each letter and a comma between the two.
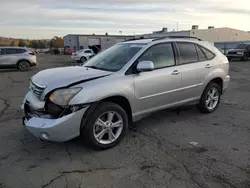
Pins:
x: 33, y: 64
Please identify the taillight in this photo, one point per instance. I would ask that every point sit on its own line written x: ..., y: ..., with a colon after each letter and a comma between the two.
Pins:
x: 32, y: 53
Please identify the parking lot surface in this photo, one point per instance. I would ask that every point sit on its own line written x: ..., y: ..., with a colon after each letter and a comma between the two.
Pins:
x: 168, y: 149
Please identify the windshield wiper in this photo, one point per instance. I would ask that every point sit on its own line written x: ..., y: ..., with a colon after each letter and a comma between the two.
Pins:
x: 92, y: 67
x: 99, y: 68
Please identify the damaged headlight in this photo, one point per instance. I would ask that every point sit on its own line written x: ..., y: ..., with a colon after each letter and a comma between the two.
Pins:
x: 62, y: 97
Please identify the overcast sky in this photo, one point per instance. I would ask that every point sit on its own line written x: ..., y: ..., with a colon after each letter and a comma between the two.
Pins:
x: 47, y: 18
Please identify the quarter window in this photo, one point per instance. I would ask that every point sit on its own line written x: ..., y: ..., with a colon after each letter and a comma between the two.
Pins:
x: 161, y: 55
x: 187, y: 52
x: 200, y: 53
x: 208, y: 54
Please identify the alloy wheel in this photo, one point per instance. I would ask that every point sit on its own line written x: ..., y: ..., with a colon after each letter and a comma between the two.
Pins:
x: 108, y: 127
x: 212, y: 98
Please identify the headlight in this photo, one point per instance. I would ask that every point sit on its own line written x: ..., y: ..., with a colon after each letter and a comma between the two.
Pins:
x: 240, y: 53
x: 63, y: 96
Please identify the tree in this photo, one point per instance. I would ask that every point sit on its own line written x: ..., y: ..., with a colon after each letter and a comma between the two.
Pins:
x: 59, y: 42
x: 33, y: 44
x: 21, y: 43
x: 15, y: 43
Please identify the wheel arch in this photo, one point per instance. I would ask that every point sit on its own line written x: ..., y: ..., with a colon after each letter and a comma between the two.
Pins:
x: 23, y: 60
x: 117, y: 99
x: 219, y: 81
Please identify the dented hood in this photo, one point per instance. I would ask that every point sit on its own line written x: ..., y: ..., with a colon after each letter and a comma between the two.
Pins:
x: 66, y: 76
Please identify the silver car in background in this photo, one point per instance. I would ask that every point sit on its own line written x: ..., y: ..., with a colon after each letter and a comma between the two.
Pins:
x: 17, y: 57
x: 121, y: 85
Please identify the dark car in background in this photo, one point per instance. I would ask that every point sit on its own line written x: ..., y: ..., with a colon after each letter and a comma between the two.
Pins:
x: 241, y: 51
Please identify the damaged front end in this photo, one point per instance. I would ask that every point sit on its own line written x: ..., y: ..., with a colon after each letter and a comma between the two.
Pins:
x: 53, y: 118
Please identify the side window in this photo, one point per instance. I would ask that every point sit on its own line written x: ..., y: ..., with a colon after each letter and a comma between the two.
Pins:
x: 208, y: 54
x: 10, y: 51
x: 20, y: 51
x: 187, y: 52
x: 200, y: 53
x: 87, y: 51
x: 162, y: 55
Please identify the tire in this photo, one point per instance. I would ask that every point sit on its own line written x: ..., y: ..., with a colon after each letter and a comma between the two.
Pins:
x: 90, y: 130
x: 209, y: 108
x: 23, y: 65
x: 83, y: 59
x: 245, y: 58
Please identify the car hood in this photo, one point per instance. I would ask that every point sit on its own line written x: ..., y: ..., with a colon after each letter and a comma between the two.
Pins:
x: 236, y: 50
x: 66, y: 76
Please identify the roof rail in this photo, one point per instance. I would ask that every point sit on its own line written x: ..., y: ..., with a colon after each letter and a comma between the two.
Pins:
x: 177, y: 37
x: 135, y: 39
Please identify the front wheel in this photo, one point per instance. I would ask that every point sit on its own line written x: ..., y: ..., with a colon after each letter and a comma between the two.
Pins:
x: 106, y: 126
x: 210, y: 98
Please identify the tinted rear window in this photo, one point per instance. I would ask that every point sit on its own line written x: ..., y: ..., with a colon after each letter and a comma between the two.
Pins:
x: 19, y: 51
x: 208, y: 54
x: 187, y: 52
x: 200, y: 53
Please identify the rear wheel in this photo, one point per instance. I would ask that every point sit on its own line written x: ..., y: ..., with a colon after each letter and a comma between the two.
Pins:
x: 210, y: 98
x: 106, y: 126
x: 83, y: 59
x: 23, y: 65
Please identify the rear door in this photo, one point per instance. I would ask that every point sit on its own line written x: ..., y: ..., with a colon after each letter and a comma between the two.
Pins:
x: 195, y: 63
x: 157, y: 89
x: 8, y: 56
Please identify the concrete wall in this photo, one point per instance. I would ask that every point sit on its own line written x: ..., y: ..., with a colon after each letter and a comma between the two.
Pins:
x: 107, y: 42
x: 71, y: 41
x: 221, y: 34
x: 76, y: 42
x: 83, y: 42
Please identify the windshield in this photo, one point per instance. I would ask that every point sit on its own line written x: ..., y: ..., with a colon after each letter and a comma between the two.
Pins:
x: 241, y: 46
x: 114, y: 58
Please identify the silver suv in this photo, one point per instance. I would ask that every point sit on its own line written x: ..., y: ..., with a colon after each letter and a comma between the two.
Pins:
x: 17, y: 57
x: 119, y: 86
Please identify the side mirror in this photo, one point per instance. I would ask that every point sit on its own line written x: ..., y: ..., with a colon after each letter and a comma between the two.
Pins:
x: 145, y: 66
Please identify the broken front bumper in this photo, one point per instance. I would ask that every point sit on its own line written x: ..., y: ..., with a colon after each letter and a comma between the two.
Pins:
x: 46, y: 128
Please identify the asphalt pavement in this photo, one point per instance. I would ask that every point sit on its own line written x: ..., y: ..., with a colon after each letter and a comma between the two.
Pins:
x: 168, y: 149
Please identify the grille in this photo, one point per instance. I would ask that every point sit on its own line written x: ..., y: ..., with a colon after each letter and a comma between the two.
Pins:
x: 36, y: 89
x: 232, y: 52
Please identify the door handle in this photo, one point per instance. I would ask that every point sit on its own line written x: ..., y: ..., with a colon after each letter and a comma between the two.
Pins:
x: 208, y: 66
x: 175, y: 72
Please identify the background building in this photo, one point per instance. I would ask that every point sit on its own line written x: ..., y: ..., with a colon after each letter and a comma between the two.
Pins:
x: 223, y: 38
x: 95, y: 42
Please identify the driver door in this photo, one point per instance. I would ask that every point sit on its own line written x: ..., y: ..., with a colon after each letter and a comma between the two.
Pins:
x: 156, y: 89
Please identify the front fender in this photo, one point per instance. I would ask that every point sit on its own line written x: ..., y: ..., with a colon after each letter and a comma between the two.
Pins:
x: 106, y: 87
